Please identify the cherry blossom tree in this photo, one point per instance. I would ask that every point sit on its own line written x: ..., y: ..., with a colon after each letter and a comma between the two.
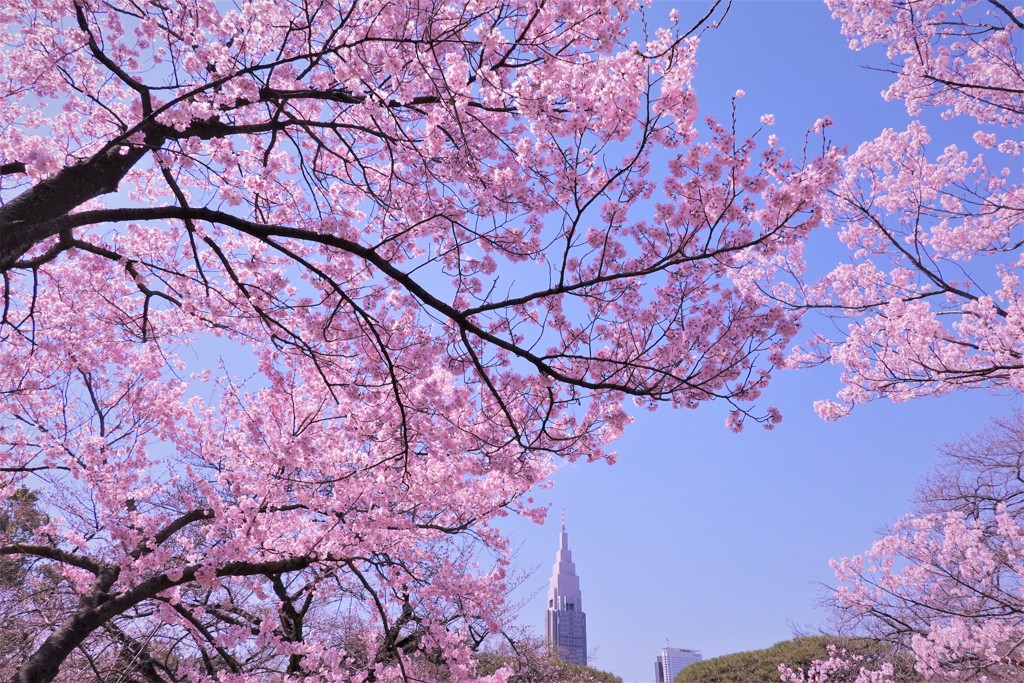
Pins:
x: 946, y: 582
x: 930, y: 301
x: 299, y: 297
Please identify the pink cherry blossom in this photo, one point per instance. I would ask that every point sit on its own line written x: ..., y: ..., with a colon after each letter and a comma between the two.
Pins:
x: 930, y: 295
x: 945, y: 582
x: 299, y: 298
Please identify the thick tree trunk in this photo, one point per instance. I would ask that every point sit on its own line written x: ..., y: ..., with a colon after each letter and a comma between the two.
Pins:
x: 45, y: 662
x: 28, y: 219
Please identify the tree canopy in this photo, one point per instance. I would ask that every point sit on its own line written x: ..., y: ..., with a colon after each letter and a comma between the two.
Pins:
x: 299, y: 297
x: 442, y: 235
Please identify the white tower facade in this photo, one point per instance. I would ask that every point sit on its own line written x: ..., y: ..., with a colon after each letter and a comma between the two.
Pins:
x: 671, y: 661
x: 565, y: 624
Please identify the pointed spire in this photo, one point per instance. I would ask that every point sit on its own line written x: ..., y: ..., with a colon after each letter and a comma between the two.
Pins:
x: 563, y: 538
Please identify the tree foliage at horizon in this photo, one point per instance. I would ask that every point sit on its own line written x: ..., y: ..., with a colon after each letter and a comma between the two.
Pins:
x: 762, y: 666
x: 531, y: 662
x: 455, y: 239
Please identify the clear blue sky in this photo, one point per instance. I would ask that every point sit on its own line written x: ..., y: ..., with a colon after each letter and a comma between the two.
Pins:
x: 719, y: 541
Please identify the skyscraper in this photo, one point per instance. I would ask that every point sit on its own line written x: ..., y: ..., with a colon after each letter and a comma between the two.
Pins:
x: 671, y: 661
x: 565, y: 624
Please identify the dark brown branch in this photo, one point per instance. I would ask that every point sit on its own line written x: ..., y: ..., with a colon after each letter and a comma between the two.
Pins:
x: 30, y: 217
x: 55, y: 554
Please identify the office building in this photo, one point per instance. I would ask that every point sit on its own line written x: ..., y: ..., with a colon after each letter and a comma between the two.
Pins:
x: 671, y: 661
x: 565, y: 624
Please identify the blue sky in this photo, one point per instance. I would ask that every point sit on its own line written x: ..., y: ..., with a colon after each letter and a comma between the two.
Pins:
x: 718, y: 541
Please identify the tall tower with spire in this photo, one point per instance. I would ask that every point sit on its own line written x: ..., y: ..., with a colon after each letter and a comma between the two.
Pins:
x: 565, y: 624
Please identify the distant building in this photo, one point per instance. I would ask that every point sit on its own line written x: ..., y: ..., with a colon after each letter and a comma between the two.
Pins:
x: 565, y: 624
x: 671, y: 661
